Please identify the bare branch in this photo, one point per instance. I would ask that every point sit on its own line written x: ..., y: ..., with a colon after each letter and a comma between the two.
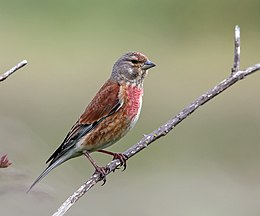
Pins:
x: 161, y: 131
x: 236, y: 64
x: 4, y: 161
x: 12, y: 70
x: 167, y: 127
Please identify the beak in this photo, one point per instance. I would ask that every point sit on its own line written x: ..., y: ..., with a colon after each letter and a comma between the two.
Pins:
x: 147, y: 65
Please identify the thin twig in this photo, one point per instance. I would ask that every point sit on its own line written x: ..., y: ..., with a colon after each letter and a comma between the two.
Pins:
x: 161, y: 131
x: 4, y: 161
x: 236, y: 64
x: 12, y: 70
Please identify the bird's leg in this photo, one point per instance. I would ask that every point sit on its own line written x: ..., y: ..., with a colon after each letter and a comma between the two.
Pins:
x: 120, y: 156
x: 102, y: 171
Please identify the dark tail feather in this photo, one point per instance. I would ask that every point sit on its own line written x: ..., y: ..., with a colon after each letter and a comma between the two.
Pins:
x: 48, y: 169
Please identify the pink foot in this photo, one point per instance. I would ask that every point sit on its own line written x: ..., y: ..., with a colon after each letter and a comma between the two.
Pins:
x: 102, y: 172
x: 122, y: 158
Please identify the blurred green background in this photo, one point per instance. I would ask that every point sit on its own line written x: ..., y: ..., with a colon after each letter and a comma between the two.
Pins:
x: 209, y: 165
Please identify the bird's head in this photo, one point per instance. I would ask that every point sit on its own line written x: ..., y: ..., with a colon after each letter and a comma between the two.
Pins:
x: 132, y: 67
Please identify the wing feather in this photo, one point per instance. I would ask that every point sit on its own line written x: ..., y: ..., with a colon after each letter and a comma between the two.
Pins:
x: 106, y: 102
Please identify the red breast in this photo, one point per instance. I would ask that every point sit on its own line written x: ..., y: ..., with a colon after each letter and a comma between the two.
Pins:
x: 133, y: 107
x: 118, y: 124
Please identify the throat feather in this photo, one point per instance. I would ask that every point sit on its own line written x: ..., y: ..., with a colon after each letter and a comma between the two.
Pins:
x: 134, y: 96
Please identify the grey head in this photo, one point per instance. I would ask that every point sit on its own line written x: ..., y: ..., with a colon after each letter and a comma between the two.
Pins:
x: 132, y: 68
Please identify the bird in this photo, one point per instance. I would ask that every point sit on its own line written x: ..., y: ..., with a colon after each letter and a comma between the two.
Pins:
x: 112, y: 112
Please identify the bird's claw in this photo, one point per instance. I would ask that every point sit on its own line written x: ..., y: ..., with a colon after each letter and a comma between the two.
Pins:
x: 102, y: 172
x: 122, y: 158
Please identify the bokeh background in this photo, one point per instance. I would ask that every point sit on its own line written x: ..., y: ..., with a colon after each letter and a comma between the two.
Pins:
x: 209, y: 165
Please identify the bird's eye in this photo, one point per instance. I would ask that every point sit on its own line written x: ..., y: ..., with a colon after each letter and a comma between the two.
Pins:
x: 134, y: 61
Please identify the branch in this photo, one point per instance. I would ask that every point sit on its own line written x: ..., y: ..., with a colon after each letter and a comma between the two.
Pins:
x: 236, y: 64
x: 4, y: 161
x: 12, y: 70
x: 168, y: 126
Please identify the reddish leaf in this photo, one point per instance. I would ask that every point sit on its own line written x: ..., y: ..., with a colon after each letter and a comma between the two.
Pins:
x: 4, y: 162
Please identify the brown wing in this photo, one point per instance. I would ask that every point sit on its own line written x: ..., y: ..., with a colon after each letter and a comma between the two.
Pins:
x: 104, y: 104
